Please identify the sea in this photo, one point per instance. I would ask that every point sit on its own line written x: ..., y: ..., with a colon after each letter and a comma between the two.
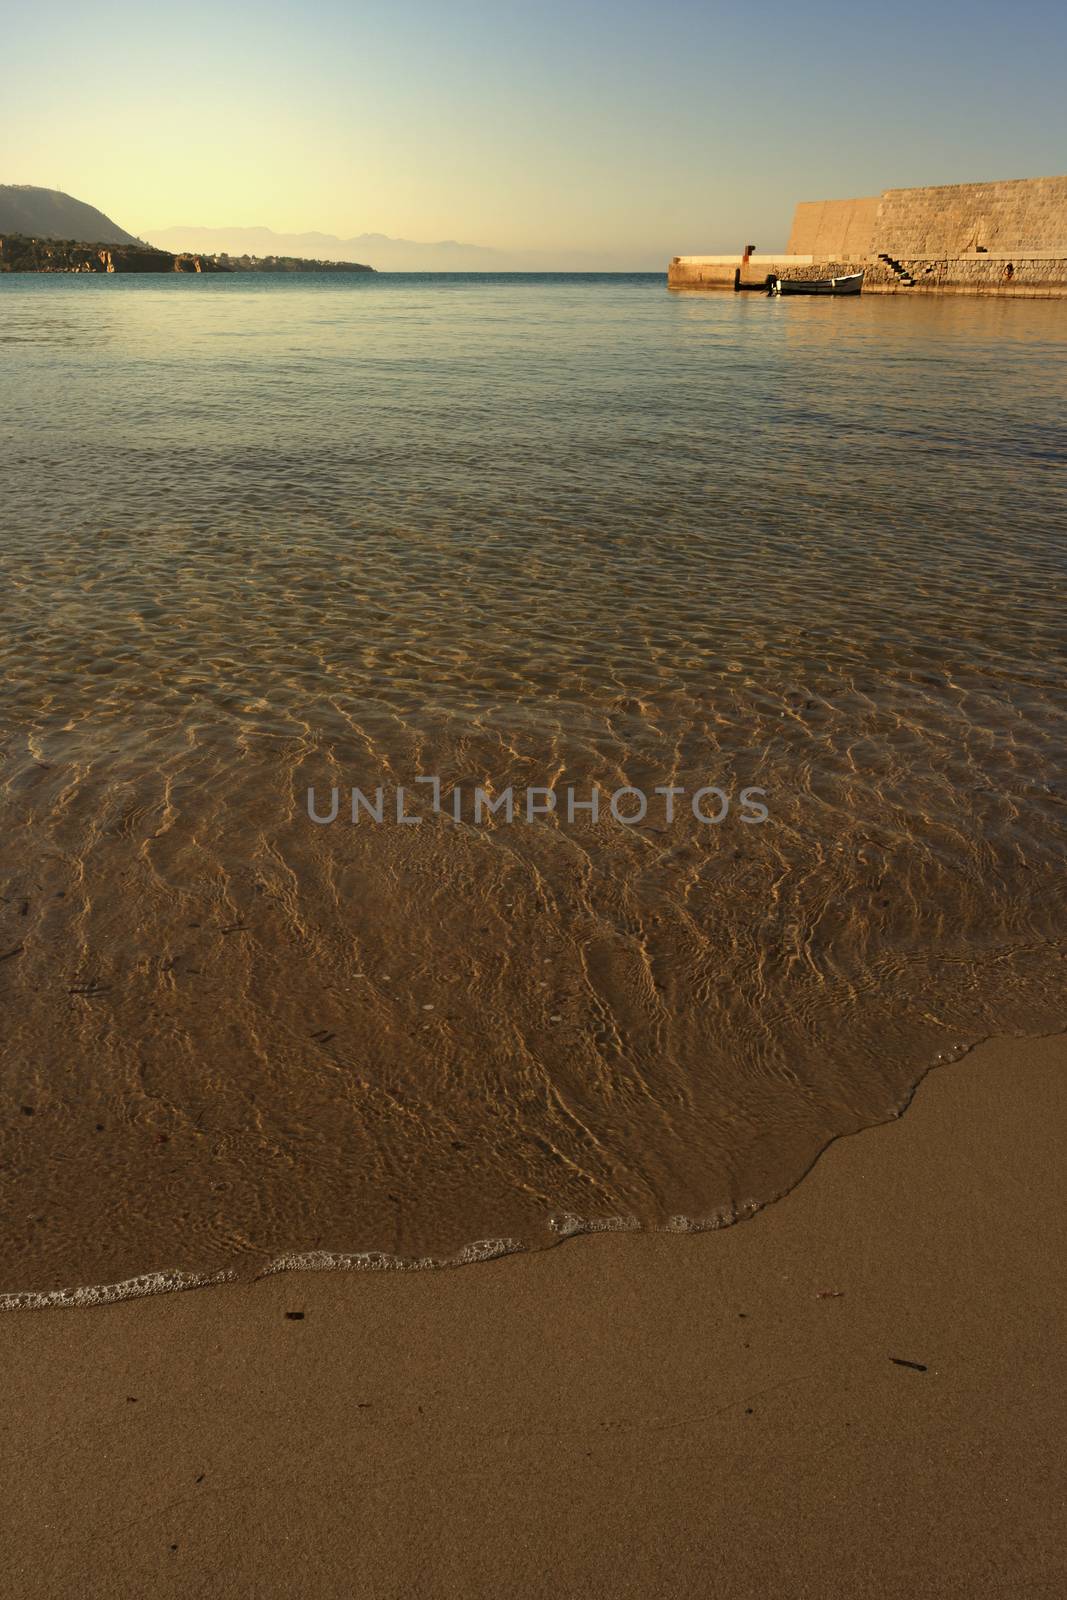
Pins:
x: 491, y: 758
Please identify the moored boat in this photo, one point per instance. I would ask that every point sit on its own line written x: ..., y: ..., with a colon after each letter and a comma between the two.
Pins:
x: 852, y: 283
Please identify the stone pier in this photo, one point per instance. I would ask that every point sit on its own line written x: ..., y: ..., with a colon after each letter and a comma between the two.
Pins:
x: 1007, y: 238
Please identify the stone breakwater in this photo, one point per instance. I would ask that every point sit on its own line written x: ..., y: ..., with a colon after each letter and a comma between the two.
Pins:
x: 1005, y: 238
x: 19, y: 253
x: 1017, y: 276
x: 1017, y: 217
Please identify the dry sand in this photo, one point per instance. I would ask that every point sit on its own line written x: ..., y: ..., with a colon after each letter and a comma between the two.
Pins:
x: 714, y: 1415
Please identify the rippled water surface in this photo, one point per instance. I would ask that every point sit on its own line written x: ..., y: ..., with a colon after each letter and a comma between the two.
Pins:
x: 263, y: 534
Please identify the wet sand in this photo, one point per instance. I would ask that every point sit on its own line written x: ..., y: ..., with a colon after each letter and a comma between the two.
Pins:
x: 856, y: 1393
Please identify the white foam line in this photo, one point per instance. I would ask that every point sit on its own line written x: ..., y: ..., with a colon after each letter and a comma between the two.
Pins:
x: 103, y: 1294
x: 566, y: 1226
x: 379, y: 1261
x: 569, y: 1226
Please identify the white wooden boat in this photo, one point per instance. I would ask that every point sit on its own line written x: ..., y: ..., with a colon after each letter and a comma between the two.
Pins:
x: 852, y: 284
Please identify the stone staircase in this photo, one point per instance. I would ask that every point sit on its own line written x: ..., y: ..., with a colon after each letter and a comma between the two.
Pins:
x: 902, y: 273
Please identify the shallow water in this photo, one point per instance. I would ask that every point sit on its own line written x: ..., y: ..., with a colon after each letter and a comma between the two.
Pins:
x: 266, y: 534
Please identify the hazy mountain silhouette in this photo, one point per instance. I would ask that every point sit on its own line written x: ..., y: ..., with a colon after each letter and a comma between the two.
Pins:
x: 385, y: 254
x: 51, y: 214
x: 377, y: 249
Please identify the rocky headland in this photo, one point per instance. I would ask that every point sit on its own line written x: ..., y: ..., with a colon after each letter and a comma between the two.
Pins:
x: 19, y: 253
x: 228, y: 263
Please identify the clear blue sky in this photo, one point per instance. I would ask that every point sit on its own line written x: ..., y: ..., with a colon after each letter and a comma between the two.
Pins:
x: 632, y: 128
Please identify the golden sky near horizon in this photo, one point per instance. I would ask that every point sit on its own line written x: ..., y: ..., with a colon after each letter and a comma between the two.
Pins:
x: 613, y: 127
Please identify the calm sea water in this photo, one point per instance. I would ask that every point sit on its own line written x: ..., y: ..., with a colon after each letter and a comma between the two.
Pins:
x: 261, y: 534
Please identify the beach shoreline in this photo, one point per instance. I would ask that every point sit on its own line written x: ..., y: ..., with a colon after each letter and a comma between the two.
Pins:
x: 560, y: 1229
x: 855, y: 1393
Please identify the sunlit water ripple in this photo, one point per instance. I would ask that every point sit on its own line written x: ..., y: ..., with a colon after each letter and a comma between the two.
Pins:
x: 261, y: 534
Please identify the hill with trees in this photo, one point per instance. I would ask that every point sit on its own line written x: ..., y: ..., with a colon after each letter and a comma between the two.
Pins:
x: 50, y: 214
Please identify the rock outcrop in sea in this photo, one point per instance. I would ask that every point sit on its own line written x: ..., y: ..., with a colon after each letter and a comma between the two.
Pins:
x: 18, y: 253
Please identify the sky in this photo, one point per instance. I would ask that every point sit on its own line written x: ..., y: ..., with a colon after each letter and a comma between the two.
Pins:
x: 628, y: 130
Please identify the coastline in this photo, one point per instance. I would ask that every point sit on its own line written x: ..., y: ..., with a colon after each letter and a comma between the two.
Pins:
x: 21, y: 253
x: 561, y: 1228
x: 856, y: 1392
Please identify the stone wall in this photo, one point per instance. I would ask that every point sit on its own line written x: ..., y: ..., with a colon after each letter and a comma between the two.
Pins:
x: 1017, y: 216
x: 1031, y: 278
x: 1040, y: 277
x: 718, y: 272
x: 841, y: 228
x: 1007, y: 238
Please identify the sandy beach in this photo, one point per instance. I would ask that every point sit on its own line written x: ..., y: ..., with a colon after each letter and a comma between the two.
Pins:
x: 533, y: 1044
x: 858, y: 1392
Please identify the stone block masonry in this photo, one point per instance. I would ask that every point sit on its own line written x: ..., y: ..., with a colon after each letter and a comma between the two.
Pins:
x: 1005, y: 238
x: 1020, y: 216
x: 1016, y: 276
x: 841, y: 228
x: 1030, y: 278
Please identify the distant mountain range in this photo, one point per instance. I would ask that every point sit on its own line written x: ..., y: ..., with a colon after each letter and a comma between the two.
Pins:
x: 381, y: 252
x: 395, y: 255
x: 384, y: 253
x: 51, y: 214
